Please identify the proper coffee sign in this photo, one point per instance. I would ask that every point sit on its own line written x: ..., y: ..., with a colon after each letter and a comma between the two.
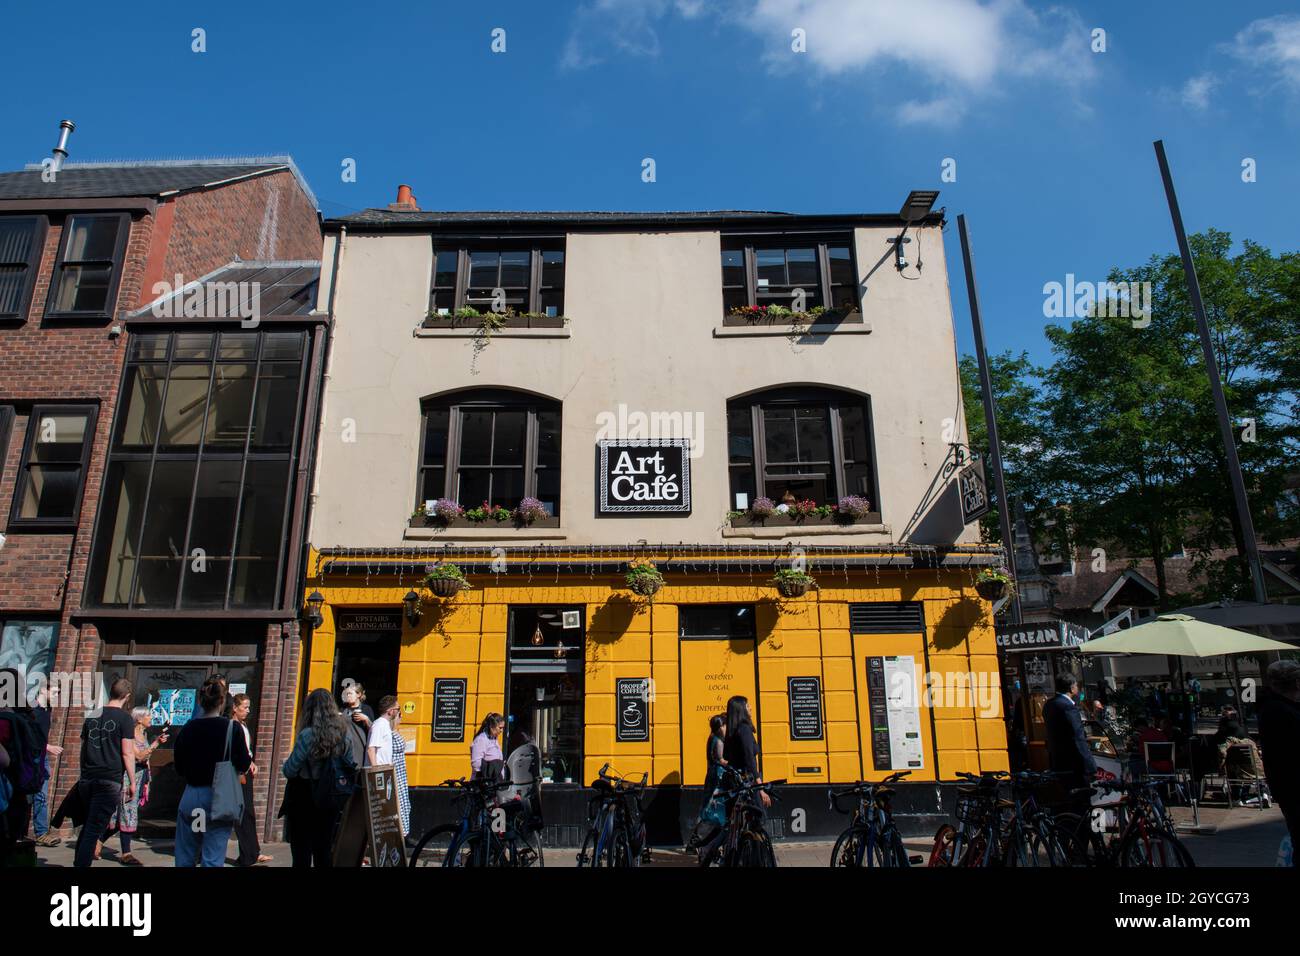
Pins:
x: 632, y: 722
x: 641, y: 477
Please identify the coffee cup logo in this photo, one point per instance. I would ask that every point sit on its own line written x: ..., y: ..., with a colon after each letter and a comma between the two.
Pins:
x: 631, y: 714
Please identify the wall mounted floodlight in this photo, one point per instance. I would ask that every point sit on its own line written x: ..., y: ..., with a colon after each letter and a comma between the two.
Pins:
x: 916, y: 207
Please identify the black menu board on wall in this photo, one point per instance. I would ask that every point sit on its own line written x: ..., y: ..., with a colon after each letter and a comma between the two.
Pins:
x: 805, y: 708
x: 449, y: 709
x: 632, y: 720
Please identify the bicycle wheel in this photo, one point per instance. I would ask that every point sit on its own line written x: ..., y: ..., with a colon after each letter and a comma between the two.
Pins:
x: 753, y: 851
x: 941, y: 852
x: 618, y: 851
x: 895, y: 851
x: 1080, y: 846
x: 1153, y: 848
x: 849, y: 848
x: 435, y: 848
x: 586, y: 856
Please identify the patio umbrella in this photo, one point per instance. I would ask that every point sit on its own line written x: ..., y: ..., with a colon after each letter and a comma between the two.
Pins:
x: 1181, y: 635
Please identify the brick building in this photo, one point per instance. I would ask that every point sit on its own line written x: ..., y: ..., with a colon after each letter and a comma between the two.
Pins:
x: 210, y: 428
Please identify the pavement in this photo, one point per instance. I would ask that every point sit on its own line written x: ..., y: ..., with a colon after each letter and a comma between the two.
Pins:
x: 1240, y: 836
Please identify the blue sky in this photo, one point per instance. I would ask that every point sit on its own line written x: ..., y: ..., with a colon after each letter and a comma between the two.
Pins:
x: 1052, y: 141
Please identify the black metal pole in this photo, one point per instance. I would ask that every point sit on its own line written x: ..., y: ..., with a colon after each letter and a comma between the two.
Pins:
x: 990, y: 415
x: 1216, y: 385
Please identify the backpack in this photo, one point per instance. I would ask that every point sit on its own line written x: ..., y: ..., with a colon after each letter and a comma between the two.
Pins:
x: 26, y: 747
x: 338, y: 777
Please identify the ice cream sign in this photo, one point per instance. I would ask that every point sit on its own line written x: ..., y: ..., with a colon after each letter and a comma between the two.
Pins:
x: 647, y: 476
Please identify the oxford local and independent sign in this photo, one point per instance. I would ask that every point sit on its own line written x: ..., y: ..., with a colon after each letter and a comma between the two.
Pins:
x: 644, y: 477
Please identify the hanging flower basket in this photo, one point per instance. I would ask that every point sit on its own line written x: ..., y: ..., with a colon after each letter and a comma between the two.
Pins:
x: 445, y: 580
x: 792, y: 583
x: 644, y: 579
x: 993, y: 584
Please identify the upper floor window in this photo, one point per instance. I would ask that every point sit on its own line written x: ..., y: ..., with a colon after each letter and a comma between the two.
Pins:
x: 89, y: 267
x: 492, y: 446
x: 52, y: 470
x: 800, y: 273
x: 198, y: 487
x: 21, y: 241
x: 808, y: 444
x: 524, y: 277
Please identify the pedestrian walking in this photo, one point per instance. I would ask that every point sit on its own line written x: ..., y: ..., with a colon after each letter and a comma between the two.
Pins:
x: 201, y: 744
x: 486, y: 746
x: 1279, y: 741
x: 107, y: 768
x: 357, y: 722
x: 310, y: 817
x: 388, y: 747
x: 41, y: 799
x: 1068, y: 753
x: 250, y: 848
x: 126, y: 818
x: 712, y: 811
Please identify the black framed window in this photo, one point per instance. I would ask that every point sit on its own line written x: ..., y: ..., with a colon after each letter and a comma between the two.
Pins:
x: 6, y: 429
x: 808, y: 443
x: 52, y: 471
x: 530, y: 274
x: 21, y: 240
x: 490, y: 446
x: 89, y: 268
x: 731, y: 621
x: 774, y: 270
x: 199, y: 482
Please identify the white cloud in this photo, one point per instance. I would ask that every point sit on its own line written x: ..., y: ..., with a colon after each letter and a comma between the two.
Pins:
x: 1272, y: 44
x: 1196, y: 91
x: 934, y: 56
x: 960, y: 49
x: 623, y: 27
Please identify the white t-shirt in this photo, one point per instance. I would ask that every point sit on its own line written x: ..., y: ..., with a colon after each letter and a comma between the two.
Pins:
x: 381, y: 738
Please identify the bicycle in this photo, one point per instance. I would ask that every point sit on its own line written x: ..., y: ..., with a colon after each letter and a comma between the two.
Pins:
x: 744, y: 841
x: 973, y: 840
x: 1143, y: 837
x: 1030, y: 836
x: 616, y: 836
x: 872, y: 838
x: 488, y: 834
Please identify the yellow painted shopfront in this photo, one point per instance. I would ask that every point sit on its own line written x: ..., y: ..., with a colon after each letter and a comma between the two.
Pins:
x: 596, y: 674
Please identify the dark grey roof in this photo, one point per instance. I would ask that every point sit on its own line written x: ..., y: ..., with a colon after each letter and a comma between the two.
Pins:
x: 285, y: 288
x: 143, y: 178
x: 426, y: 219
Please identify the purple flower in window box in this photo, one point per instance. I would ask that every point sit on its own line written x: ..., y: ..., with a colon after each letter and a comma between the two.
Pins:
x: 530, y: 510
x: 854, y: 507
x: 446, y: 510
x: 762, y: 507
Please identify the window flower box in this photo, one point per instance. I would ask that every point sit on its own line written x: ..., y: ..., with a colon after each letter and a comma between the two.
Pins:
x: 769, y: 317
x: 778, y: 520
x: 429, y: 521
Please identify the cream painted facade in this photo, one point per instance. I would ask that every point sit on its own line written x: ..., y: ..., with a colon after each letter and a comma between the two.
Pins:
x: 645, y: 330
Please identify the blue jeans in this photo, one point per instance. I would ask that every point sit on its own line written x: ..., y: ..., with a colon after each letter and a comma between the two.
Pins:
x: 41, y: 803
x: 208, y: 845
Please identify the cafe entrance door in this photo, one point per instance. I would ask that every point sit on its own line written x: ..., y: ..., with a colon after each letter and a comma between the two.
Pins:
x: 718, y: 660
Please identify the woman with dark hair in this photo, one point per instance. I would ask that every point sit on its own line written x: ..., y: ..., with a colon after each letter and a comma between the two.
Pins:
x: 203, y: 743
x: 309, y: 825
x: 486, y: 745
x: 712, y: 813
x: 740, y: 749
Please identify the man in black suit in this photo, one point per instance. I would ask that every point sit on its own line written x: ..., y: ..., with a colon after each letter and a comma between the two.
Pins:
x: 1067, y: 748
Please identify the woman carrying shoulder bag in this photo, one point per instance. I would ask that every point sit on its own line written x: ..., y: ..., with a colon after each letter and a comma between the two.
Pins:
x: 204, y: 743
x: 309, y: 822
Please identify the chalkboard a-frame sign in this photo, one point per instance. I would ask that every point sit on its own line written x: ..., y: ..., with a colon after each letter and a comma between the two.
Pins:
x: 644, y: 476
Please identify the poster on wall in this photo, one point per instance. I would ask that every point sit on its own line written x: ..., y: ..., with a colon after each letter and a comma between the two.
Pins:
x: 449, y: 710
x: 175, y: 706
x: 644, y: 477
x: 633, y: 706
x: 894, y: 713
x: 805, y: 707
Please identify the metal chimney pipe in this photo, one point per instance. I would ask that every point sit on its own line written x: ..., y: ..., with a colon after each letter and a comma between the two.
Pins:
x: 61, y: 150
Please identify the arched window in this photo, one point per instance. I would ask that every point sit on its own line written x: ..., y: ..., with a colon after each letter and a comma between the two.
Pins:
x: 812, y: 443
x: 490, y: 445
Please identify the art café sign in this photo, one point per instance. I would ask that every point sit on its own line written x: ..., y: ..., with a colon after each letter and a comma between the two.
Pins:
x: 644, y: 477
x: 1047, y: 636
